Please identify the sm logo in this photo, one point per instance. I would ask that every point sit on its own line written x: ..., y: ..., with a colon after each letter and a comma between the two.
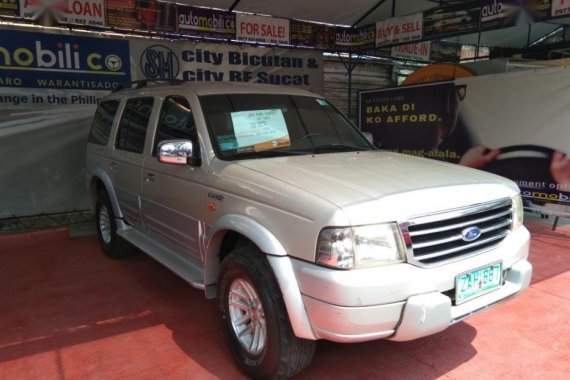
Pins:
x: 159, y: 63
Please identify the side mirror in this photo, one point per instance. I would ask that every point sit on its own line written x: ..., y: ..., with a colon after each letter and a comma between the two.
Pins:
x: 177, y: 152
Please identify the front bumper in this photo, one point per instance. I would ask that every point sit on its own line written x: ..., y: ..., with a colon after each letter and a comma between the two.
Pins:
x: 403, y: 302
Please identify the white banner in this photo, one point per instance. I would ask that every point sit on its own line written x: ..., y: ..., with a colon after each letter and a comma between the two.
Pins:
x: 262, y: 29
x: 399, y: 30
x: 521, y: 120
x: 200, y: 62
x: 84, y: 12
x: 80, y: 12
x: 419, y: 51
x: 560, y: 8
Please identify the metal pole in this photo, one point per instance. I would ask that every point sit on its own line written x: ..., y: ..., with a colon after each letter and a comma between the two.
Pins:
x: 350, y: 83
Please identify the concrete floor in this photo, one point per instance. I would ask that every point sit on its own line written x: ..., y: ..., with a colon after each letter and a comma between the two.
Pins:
x: 67, y: 312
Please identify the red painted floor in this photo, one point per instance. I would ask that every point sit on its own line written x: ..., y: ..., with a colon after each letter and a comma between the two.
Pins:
x: 67, y: 312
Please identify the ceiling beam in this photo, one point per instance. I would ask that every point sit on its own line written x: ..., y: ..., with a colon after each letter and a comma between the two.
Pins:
x: 368, y: 12
x: 234, y: 5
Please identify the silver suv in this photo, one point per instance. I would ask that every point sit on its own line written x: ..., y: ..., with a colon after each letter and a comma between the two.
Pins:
x: 269, y: 199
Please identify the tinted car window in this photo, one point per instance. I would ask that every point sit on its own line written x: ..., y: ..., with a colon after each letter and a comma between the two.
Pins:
x: 102, y: 122
x: 133, y: 125
x: 175, y: 122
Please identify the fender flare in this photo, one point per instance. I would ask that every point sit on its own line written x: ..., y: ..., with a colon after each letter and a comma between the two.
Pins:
x: 278, y: 261
x: 243, y: 225
x: 100, y: 175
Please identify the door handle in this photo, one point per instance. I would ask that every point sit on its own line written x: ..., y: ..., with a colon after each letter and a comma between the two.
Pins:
x: 113, y: 166
x: 149, y: 177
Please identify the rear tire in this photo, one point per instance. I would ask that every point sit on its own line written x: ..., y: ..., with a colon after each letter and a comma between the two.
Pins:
x: 254, y: 319
x: 111, y: 244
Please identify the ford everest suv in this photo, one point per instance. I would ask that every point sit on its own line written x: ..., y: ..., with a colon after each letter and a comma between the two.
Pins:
x: 269, y: 199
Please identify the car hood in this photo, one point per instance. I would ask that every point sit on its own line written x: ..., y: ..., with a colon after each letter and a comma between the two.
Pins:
x: 388, y: 184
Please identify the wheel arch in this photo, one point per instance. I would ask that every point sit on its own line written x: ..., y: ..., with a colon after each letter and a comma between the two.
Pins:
x: 236, y: 226
x: 239, y: 229
x: 101, y: 181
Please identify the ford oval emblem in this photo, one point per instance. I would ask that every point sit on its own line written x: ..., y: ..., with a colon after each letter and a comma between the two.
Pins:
x: 471, y: 233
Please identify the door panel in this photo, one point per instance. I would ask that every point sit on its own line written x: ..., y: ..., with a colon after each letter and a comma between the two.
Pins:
x: 126, y: 159
x: 173, y: 195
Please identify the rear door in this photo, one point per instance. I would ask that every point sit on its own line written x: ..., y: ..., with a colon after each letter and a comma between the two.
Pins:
x: 98, y: 141
x: 173, y: 195
x: 126, y: 157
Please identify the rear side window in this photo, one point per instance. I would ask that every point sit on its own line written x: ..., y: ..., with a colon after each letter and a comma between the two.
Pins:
x: 175, y: 122
x: 103, y: 121
x: 133, y: 125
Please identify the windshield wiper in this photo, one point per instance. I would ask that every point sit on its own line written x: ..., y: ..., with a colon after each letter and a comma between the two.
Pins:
x: 337, y: 147
x: 269, y: 153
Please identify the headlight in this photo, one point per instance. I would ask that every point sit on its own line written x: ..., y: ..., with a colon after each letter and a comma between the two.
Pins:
x: 518, y: 212
x: 359, y: 247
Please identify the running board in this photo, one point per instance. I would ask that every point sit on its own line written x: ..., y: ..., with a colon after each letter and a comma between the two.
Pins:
x: 186, y: 268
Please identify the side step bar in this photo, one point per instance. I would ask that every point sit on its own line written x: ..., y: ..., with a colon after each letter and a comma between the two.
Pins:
x: 188, y: 269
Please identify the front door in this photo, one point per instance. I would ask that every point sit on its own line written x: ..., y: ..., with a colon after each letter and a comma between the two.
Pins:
x: 173, y: 195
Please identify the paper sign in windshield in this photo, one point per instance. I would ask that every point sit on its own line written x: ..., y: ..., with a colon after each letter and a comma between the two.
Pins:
x: 260, y: 130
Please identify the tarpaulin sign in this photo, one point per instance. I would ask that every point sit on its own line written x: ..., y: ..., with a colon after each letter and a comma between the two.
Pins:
x: 141, y: 15
x: 40, y: 60
x: 411, y: 119
x: 268, y: 30
x: 319, y: 36
x: 507, y: 124
x: 9, y: 8
x: 208, y: 23
x: 202, y: 62
x: 398, y: 30
x: 355, y: 39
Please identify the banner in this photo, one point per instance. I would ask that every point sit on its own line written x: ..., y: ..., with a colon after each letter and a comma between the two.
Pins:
x: 77, y: 12
x: 399, y: 30
x: 560, y: 8
x: 201, y: 62
x: 524, y: 132
x: 420, y: 51
x: 49, y: 87
x: 514, y: 125
x: 85, y: 12
x: 472, y: 52
x: 362, y: 38
x: 442, y: 51
x: 141, y: 15
x: 539, y: 10
x: 41, y: 60
x: 32, y: 9
x: 453, y: 19
x: 497, y: 14
x: 261, y: 29
x: 319, y: 36
x: 208, y: 23
x: 411, y: 119
x: 10, y: 8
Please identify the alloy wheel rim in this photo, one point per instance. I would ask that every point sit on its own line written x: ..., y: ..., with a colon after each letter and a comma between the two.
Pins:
x: 247, y: 316
x: 105, y: 224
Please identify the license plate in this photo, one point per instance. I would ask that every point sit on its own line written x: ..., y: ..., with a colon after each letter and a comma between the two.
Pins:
x: 477, y: 282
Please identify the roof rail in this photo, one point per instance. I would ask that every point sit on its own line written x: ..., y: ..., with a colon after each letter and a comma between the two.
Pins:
x: 146, y: 82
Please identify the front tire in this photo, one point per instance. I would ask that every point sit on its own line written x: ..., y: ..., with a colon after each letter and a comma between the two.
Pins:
x: 254, y: 319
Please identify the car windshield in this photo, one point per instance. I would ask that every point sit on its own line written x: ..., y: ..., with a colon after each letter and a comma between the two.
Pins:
x: 263, y: 125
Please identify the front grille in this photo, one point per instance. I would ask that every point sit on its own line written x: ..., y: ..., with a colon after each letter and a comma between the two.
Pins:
x: 438, y: 238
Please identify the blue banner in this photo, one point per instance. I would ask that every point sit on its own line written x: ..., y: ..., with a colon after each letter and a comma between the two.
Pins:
x: 56, y: 61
